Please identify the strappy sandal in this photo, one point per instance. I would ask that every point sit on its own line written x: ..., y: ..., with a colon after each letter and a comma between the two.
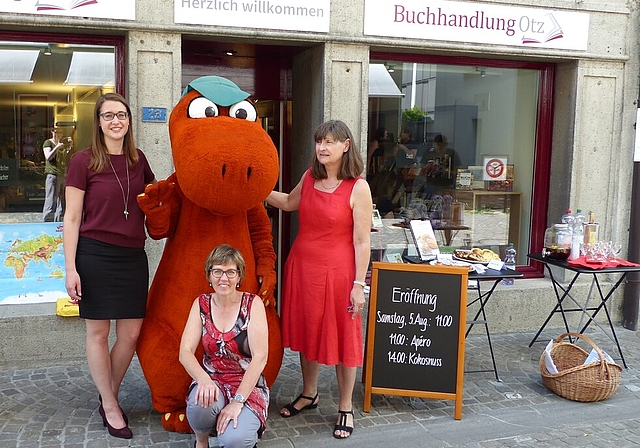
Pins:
x: 295, y: 411
x: 342, y: 425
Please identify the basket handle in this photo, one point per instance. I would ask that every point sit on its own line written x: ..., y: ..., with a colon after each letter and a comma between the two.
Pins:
x: 604, y: 366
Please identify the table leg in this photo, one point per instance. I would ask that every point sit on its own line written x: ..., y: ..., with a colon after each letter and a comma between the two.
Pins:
x: 603, y: 304
x: 483, y: 299
x: 558, y: 307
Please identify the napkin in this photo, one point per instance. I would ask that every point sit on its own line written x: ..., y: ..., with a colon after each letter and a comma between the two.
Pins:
x: 610, y: 263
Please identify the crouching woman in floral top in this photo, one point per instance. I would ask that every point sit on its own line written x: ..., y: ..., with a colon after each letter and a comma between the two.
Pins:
x: 228, y: 393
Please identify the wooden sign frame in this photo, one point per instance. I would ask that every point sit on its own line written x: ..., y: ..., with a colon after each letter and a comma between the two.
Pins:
x: 433, y: 372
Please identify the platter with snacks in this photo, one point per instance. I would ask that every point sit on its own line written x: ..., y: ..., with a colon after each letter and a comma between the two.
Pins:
x: 476, y: 255
x: 456, y: 263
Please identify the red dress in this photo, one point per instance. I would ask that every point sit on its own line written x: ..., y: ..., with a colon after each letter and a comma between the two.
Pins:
x: 318, y: 278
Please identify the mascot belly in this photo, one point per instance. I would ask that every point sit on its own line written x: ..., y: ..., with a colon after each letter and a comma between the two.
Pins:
x: 225, y: 167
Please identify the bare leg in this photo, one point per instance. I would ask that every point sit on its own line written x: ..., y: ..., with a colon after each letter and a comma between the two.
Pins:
x: 99, y: 360
x: 310, y: 372
x: 202, y: 440
x: 346, y: 381
x: 127, y: 332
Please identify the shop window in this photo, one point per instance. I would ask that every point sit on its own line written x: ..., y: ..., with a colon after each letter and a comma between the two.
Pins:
x: 45, y: 87
x: 456, y: 144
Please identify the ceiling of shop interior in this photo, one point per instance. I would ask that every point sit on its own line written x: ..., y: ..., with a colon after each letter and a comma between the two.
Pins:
x: 262, y: 70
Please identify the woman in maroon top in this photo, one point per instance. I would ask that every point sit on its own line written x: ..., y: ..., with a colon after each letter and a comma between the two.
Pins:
x: 107, y: 272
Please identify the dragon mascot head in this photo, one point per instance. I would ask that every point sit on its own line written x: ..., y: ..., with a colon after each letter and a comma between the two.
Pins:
x: 225, y: 167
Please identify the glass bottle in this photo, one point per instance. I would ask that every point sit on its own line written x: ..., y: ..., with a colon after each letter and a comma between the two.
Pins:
x: 568, y: 218
x: 509, y: 263
x: 590, y: 230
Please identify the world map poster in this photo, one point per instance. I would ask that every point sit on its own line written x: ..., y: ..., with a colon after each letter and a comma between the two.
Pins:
x: 32, y: 269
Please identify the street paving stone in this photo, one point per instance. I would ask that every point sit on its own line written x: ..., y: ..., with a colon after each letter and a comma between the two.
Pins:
x: 57, y: 407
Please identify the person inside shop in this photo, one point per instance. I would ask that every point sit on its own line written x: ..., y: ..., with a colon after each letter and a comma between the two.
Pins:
x: 54, y: 149
x: 324, y: 276
x: 383, y: 190
x: 229, y: 394
x: 406, y: 150
x: 107, y: 272
x: 440, y: 167
x: 9, y: 150
x: 376, y: 151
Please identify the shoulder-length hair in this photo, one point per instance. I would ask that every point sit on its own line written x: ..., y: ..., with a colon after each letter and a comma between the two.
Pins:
x: 99, y: 152
x: 351, y: 164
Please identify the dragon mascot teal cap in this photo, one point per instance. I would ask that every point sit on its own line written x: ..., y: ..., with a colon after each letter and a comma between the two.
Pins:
x: 219, y: 90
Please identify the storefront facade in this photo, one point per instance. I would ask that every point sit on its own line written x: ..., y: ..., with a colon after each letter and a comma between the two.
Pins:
x: 546, y: 94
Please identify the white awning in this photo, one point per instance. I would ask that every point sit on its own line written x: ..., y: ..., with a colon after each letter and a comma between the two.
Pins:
x: 91, y: 69
x: 16, y: 66
x: 381, y: 84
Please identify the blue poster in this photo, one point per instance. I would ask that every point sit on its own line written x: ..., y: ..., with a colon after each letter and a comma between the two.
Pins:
x: 32, y: 258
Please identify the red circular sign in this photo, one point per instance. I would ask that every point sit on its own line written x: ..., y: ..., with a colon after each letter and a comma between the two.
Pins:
x: 494, y: 168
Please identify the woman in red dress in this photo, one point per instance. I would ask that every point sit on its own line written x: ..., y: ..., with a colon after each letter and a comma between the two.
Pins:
x: 324, y: 276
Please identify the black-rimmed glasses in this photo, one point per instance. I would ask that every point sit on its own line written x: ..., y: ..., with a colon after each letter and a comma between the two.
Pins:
x: 109, y: 116
x: 230, y: 273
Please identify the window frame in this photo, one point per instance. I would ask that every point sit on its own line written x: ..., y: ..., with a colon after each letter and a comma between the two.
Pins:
x: 544, y: 132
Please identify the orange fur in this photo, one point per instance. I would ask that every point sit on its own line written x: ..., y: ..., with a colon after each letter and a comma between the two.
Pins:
x: 224, y: 169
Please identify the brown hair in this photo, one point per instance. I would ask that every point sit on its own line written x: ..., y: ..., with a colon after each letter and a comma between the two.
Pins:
x: 225, y: 254
x: 351, y: 165
x: 99, y: 152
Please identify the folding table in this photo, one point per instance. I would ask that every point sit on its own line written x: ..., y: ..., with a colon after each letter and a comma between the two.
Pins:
x: 562, y: 293
x: 482, y: 299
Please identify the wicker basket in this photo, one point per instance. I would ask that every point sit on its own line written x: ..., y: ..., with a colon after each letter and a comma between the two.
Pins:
x: 592, y: 382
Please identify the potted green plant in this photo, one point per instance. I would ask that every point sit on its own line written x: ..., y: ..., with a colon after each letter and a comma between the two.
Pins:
x: 413, y: 115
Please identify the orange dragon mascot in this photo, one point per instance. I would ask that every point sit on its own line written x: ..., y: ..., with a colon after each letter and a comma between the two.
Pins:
x: 225, y: 166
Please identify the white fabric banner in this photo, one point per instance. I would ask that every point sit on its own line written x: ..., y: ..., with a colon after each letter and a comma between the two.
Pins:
x: 478, y: 23
x: 289, y: 15
x: 100, y: 9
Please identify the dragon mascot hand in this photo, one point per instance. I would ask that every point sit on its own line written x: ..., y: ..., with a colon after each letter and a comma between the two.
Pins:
x: 225, y: 167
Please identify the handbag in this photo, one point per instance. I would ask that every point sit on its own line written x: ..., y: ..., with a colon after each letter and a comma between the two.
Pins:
x: 65, y: 308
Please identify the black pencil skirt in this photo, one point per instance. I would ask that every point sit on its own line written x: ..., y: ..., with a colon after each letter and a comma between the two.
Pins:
x: 114, y: 280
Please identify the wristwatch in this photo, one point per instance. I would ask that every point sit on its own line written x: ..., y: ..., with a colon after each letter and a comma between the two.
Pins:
x: 239, y: 398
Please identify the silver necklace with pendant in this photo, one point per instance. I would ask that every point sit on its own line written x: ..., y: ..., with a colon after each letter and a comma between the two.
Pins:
x: 124, y: 198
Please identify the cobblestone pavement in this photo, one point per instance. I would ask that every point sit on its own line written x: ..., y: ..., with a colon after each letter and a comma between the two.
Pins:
x: 57, y: 407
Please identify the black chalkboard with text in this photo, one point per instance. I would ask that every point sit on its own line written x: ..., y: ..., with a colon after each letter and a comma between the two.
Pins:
x: 415, y: 332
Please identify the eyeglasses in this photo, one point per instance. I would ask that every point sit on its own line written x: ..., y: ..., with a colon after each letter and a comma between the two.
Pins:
x: 230, y: 273
x: 109, y: 116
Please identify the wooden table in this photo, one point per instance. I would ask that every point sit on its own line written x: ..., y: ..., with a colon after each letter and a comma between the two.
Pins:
x: 511, y: 200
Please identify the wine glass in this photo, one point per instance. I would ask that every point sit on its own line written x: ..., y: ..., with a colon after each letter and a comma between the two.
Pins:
x: 615, y: 249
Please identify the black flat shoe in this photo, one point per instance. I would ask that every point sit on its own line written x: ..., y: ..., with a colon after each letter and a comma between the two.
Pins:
x: 342, y: 425
x: 121, y: 433
x: 294, y: 411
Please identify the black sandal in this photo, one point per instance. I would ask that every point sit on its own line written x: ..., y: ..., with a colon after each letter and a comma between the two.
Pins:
x: 342, y: 425
x: 295, y: 411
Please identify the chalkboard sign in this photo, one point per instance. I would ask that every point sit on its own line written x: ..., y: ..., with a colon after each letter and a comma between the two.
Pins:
x: 415, y: 332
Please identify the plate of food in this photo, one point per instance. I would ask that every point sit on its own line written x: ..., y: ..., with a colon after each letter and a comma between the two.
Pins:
x: 455, y: 263
x: 476, y: 255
